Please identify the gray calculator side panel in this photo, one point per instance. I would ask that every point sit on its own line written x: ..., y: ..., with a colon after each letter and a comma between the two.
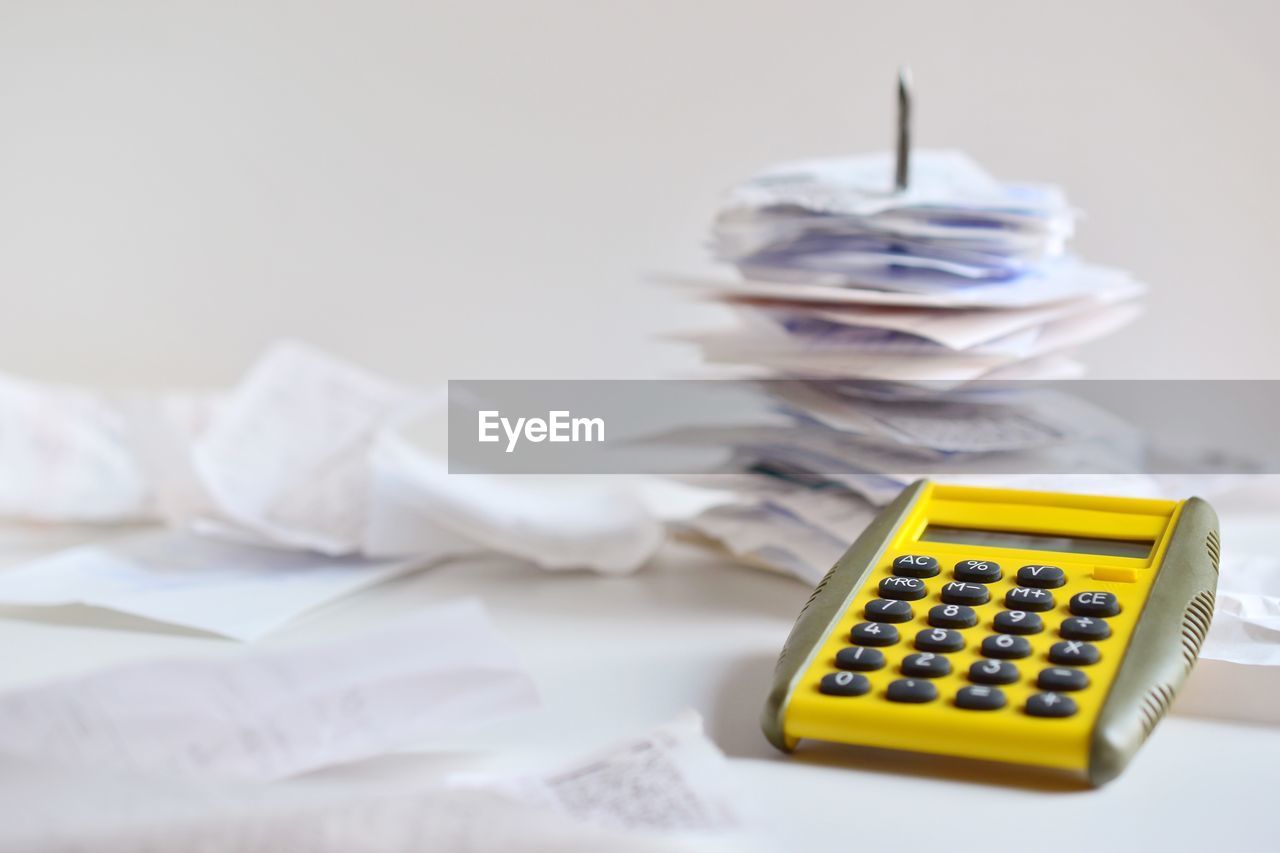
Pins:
x: 1164, y: 645
x: 826, y: 605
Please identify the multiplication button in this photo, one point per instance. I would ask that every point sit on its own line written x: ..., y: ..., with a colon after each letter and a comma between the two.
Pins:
x: 844, y: 684
x: 873, y: 634
x: 860, y: 658
x: 886, y: 610
x: 912, y: 690
x: 1084, y: 628
x: 1050, y: 705
x: 1102, y: 604
x: 993, y: 672
x: 1042, y: 577
x: 916, y: 566
x: 1062, y: 678
x: 1028, y: 598
x: 1005, y: 646
x: 952, y: 616
x: 1074, y: 653
x: 959, y: 592
x: 1017, y: 622
x: 980, y: 698
x: 979, y: 571
x: 902, y: 589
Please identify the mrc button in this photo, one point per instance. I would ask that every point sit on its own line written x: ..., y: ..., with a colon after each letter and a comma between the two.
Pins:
x: 903, y: 589
x: 1094, y: 604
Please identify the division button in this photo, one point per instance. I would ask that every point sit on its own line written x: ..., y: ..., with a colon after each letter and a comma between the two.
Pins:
x: 1074, y: 653
x: 1050, y: 705
x: 1028, y: 598
x: 873, y: 634
x: 1062, y: 678
x: 859, y: 658
x: 958, y: 592
x: 1005, y: 646
x: 993, y: 672
x: 1094, y: 604
x: 981, y: 571
x: 1042, y: 577
x: 952, y: 616
x: 844, y: 684
x: 939, y: 640
x: 980, y: 698
x: 926, y: 665
x: 911, y: 690
x: 903, y: 589
x: 1017, y: 622
x: 1084, y: 628
x: 884, y: 610
x: 915, y: 566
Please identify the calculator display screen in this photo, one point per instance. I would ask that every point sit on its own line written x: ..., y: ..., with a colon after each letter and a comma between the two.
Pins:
x: 1037, y: 542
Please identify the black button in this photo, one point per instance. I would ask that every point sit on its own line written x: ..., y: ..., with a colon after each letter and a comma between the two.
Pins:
x: 1017, y: 622
x: 1074, y: 653
x: 1028, y: 598
x: 884, y: 610
x: 1085, y: 628
x: 939, y: 640
x: 859, y: 657
x: 982, y: 571
x: 1044, y: 577
x: 958, y: 592
x: 911, y: 690
x: 1005, y: 646
x: 873, y: 634
x: 1050, y: 705
x: 903, y: 589
x: 993, y: 672
x: 926, y: 665
x: 915, y: 566
x: 1062, y: 678
x: 1094, y: 604
x: 952, y: 616
x: 980, y: 698
x: 844, y: 684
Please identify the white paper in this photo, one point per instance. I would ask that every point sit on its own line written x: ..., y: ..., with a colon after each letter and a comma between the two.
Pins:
x: 278, y: 712
x: 1246, y: 619
x: 668, y: 790
x: 233, y: 590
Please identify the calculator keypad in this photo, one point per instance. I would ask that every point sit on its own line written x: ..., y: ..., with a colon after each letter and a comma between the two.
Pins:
x: 973, y: 605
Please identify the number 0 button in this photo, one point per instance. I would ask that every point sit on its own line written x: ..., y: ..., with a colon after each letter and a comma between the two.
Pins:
x: 915, y: 566
x: 844, y: 684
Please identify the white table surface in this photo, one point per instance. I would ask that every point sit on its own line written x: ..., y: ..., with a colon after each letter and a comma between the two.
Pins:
x: 613, y: 656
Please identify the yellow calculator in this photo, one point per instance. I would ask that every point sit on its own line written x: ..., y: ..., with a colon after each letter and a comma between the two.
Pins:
x: 1026, y: 627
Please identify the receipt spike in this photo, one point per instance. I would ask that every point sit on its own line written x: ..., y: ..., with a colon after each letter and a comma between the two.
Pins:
x: 902, y: 174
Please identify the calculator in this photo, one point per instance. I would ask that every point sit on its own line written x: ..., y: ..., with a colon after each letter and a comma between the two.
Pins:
x: 1032, y: 628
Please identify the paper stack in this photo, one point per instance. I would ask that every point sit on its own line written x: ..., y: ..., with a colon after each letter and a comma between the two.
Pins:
x: 891, y: 306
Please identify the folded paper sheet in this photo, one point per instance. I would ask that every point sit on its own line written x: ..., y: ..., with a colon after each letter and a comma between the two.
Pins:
x: 278, y: 712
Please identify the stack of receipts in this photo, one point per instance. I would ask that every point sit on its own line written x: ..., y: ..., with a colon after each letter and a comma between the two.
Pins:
x: 890, y: 314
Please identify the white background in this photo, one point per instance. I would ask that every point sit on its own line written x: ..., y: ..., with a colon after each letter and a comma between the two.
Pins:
x: 475, y: 190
